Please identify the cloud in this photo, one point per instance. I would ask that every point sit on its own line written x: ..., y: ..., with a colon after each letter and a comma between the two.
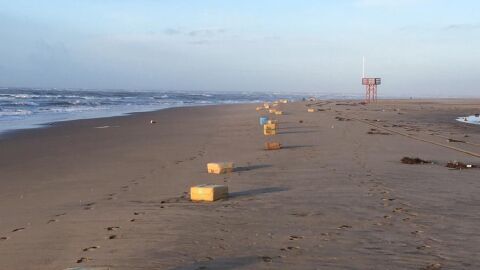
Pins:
x: 172, y: 31
x: 207, y: 32
x: 462, y: 26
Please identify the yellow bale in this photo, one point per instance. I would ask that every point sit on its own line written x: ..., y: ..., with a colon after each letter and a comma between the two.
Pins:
x: 311, y: 110
x: 270, y: 129
x: 278, y: 112
x: 208, y: 193
x: 220, y: 167
x: 272, y: 146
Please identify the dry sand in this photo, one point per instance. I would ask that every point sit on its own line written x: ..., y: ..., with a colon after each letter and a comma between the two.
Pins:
x: 336, y: 197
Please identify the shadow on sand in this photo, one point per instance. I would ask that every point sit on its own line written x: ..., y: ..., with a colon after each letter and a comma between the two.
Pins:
x: 222, y: 263
x: 296, y: 146
x: 250, y: 168
x: 255, y: 192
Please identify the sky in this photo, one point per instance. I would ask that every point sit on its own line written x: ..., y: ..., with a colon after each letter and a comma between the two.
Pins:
x: 417, y: 47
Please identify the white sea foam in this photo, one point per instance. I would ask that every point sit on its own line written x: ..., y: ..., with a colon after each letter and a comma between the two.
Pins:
x: 472, y: 119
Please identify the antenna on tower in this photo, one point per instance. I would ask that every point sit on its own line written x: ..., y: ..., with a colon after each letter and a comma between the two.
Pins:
x: 363, y: 67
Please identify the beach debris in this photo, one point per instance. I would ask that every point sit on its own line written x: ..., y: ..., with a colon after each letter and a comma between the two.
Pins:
x: 453, y: 140
x: 273, y: 146
x: 208, y: 192
x: 310, y: 110
x: 270, y: 129
x: 300, y: 121
x: 459, y: 165
x: 416, y: 160
x: 220, y: 167
x: 374, y: 131
x: 278, y: 112
x: 153, y: 122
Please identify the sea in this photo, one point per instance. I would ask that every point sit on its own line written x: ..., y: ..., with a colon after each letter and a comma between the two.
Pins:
x: 23, y: 108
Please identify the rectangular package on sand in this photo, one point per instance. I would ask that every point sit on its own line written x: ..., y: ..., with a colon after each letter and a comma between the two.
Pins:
x: 270, y: 129
x: 208, y: 193
x: 272, y: 146
x: 263, y: 120
x: 220, y: 167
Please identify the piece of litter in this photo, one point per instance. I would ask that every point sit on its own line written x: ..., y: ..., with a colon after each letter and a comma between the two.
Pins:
x: 208, y: 192
x: 220, y: 167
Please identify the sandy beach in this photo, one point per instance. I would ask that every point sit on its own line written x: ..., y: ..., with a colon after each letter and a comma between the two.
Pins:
x: 111, y: 193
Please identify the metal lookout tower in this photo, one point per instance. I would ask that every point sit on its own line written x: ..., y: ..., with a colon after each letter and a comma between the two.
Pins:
x: 370, y: 86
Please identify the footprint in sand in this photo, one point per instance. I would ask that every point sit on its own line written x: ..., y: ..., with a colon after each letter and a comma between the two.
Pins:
x: 138, y: 213
x: 3, y: 238
x: 295, y: 237
x: 59, y: 215
x: 88, y: 206
x: 83, y: 259
x: 422, y: 247
x: 112, y: 228
x: 113, y: 236
x: 90, y: 248
x: 111, y: 196
x: 289, y: 248
x: 344, y: 227
x: 266, y: 259
x: 52, y: 221
x: 18, y: 229
x: 433, y: 266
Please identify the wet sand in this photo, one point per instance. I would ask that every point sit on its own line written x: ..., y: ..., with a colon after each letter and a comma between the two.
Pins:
x: 111, y: 193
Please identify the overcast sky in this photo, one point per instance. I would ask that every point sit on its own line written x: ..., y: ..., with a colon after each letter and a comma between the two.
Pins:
x: 418, y: 47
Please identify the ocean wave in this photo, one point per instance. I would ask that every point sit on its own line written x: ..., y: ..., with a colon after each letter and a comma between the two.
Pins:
x: 46, y: 105
x: 14, y: 112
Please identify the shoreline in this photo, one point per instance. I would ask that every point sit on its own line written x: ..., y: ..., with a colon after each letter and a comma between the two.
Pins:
x: 11, y: 132
x: 335, y: 197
